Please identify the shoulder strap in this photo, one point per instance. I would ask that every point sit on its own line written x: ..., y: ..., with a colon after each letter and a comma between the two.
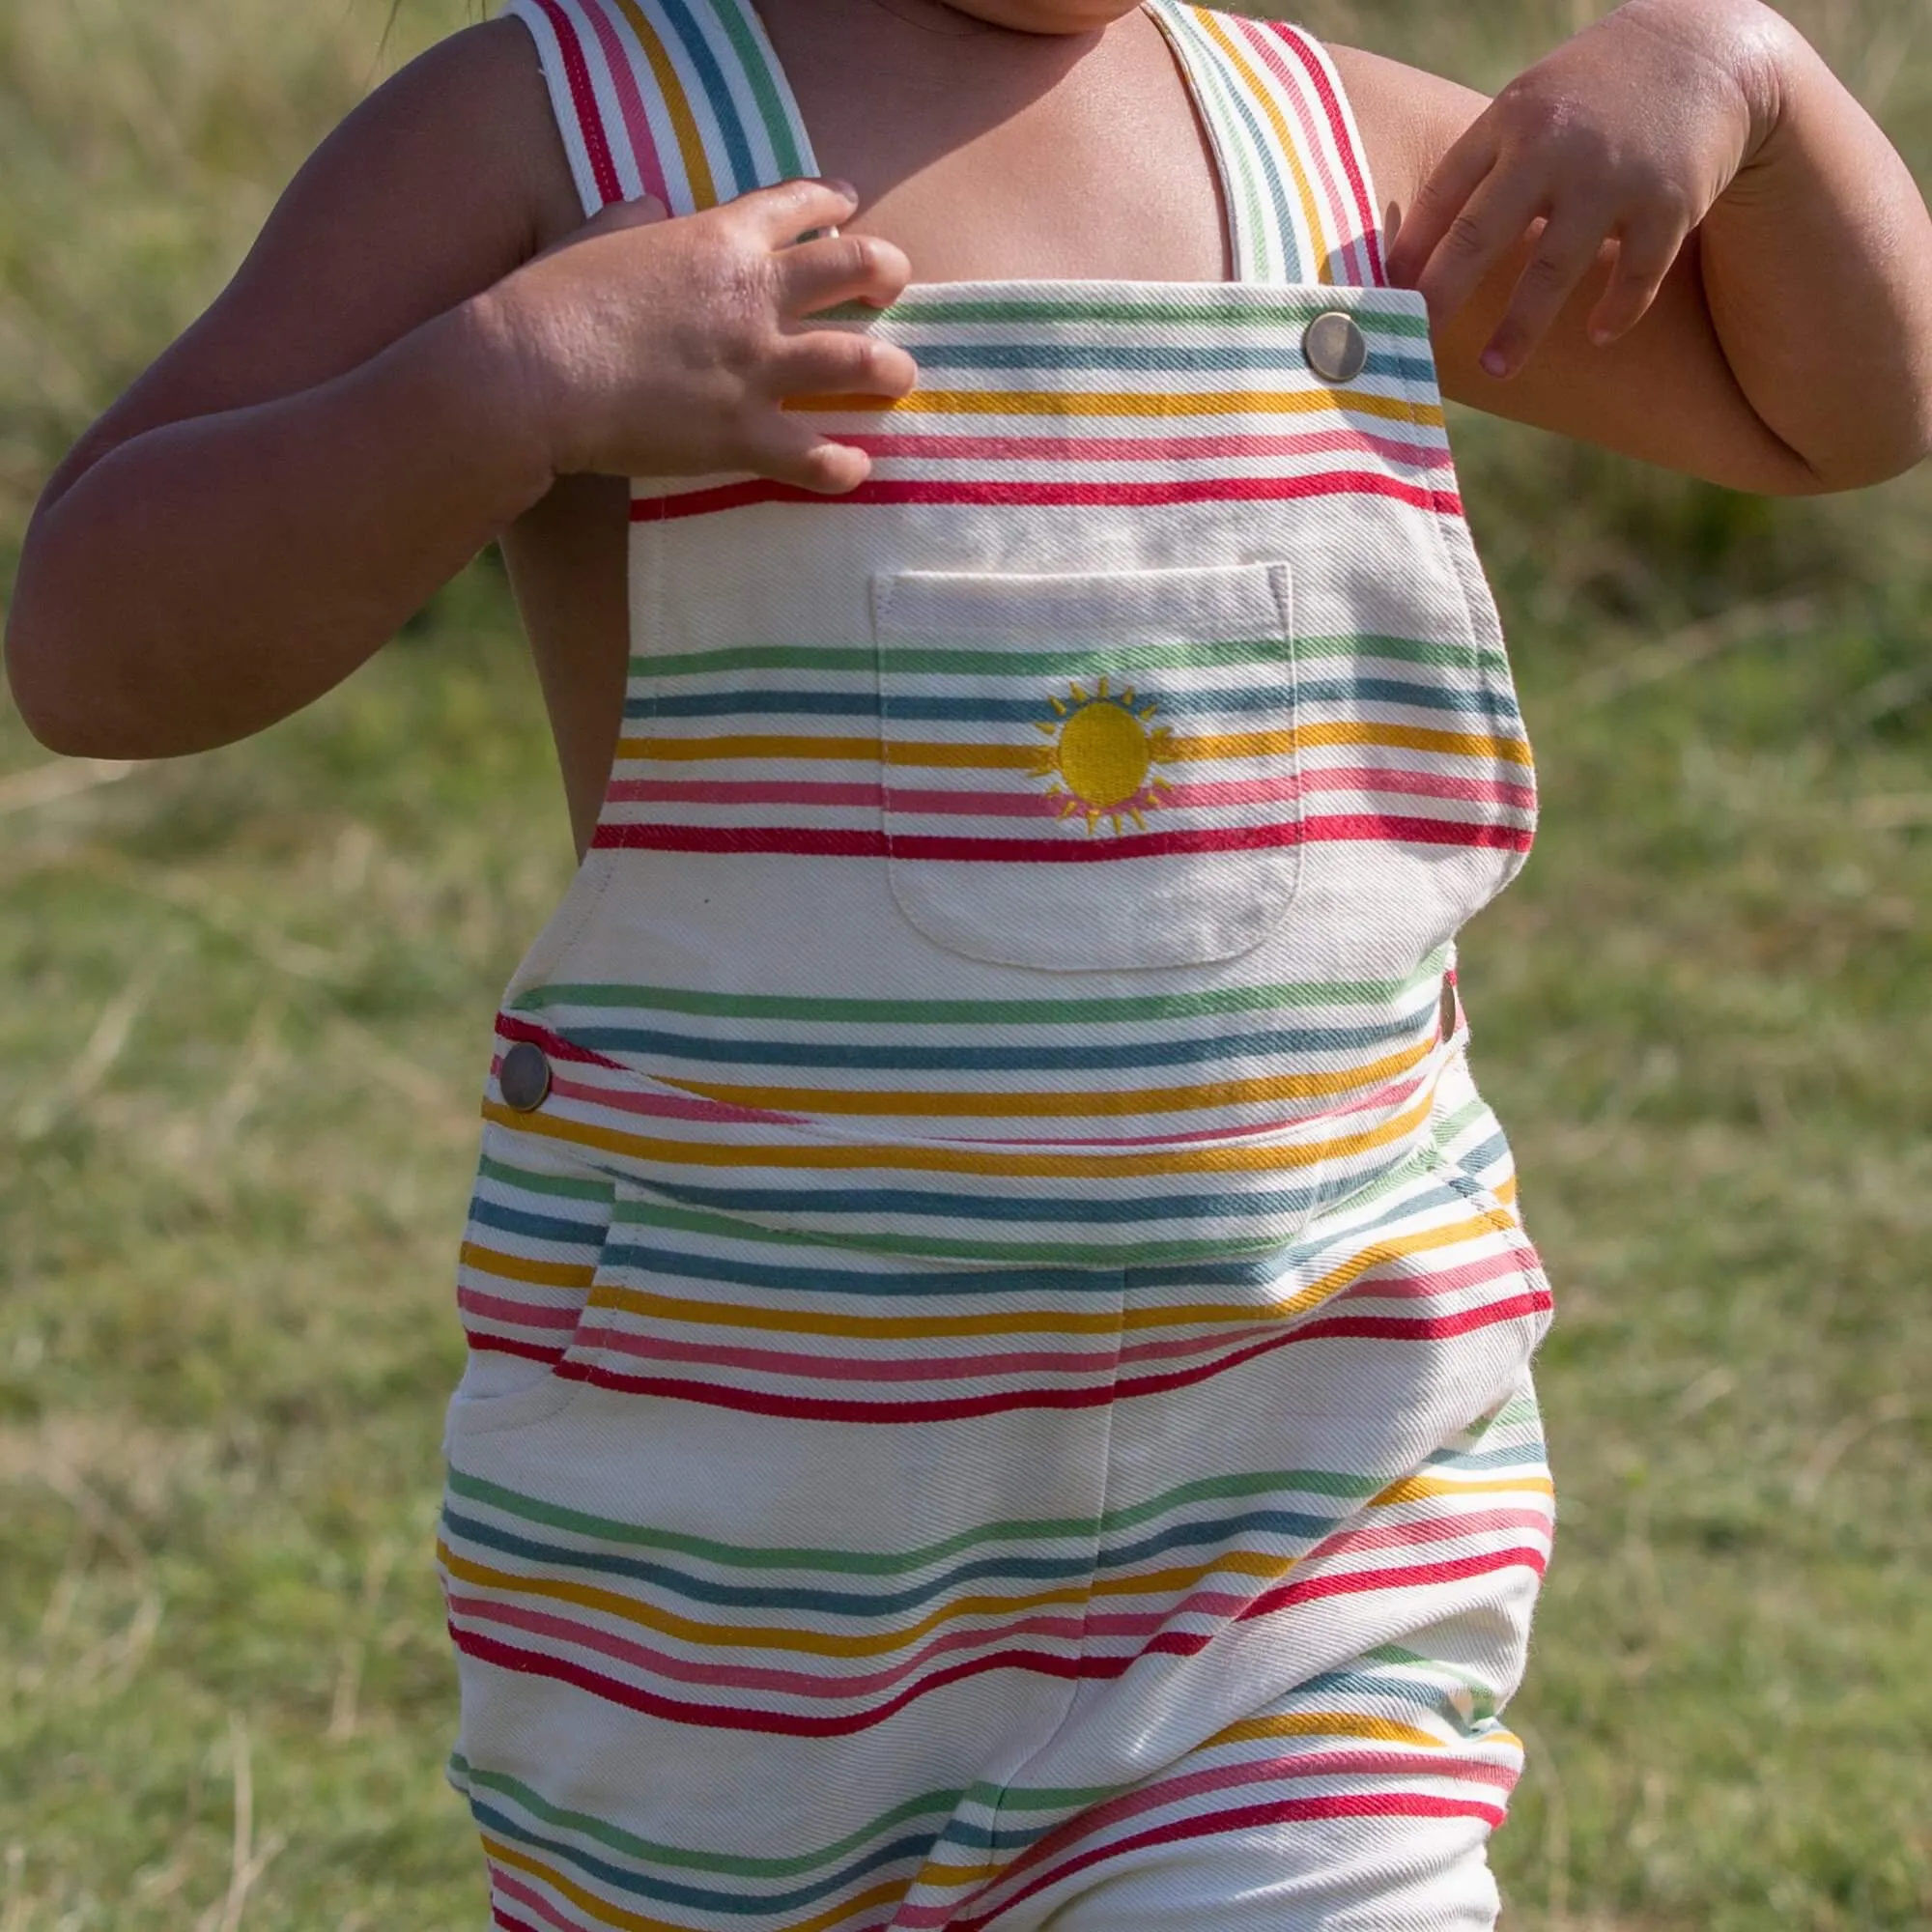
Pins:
x: 1300, y: 202
x: 680, y: 99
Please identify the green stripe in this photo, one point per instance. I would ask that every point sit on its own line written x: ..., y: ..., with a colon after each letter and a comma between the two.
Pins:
x: 976, y: 1013
x: 544, y: 1183
x: 937, y: 662
x: 780, y: 114
x: 1333, y: 1483
x: 1213, y: 85
x: 985, y: 1794
x: 1292, y: 311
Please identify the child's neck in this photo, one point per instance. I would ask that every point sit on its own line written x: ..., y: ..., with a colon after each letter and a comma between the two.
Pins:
x: 987, y: 153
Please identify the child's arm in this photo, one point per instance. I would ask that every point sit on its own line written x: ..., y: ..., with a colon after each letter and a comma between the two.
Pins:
x: 1772, y: 241
x: 389, y: 382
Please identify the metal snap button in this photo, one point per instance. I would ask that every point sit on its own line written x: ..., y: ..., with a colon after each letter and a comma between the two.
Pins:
x: 1336, y: 349
x: 1448, y: 1011
x: 523, y: 1078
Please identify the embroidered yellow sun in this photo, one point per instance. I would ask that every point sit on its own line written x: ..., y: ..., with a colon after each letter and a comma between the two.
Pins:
x: 1103, y: 755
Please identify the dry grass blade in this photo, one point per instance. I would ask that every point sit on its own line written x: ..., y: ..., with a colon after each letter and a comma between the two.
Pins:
x: 59, y: 779
x: 246, y: 1864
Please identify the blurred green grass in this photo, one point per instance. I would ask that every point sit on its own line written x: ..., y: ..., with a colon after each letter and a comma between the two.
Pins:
x: 247, y: 1006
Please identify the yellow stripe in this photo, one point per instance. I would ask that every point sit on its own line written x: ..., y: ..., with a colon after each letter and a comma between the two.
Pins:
x: 1304, y: 1724
x: 926, y: 1158
x: 1044, y: 1105
x: 1398, y: 737
x: 735, y: 1636
x: 1423, y: 1489
x: 1265, y: 1567
x: 607, y: 1914
x: 517, y: 1268
x: 1156, y: 403
x: 704, y: 1313
x: 677, y: 104
x: 930, y: 754
x: 1324, y: 1724
x: 1287, y: 141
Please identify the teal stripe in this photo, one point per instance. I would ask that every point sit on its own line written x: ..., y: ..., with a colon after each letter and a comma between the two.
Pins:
x: 936, y: 661
x: 1233, y: 305
x: 985, y: 1794
x: 829, y: 1011
x: 776, y: 108
x: 1338, y: 1485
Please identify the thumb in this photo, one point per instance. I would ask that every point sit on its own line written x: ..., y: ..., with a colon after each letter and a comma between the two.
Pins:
x: 611, y: 220
x: 616, y: 215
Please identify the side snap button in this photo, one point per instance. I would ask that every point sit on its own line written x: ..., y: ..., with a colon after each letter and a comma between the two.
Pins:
x: 1337, y: 349
x: 523, y: 1078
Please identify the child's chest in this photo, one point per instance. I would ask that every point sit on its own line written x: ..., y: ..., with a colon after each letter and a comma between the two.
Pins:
x: 988, y: 155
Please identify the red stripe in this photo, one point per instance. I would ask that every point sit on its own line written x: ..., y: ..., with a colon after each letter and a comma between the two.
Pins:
x: 507, y: 1344
x: 1094, y: 1395
x: 852, y: 843
x: 1048, y: 496
x: 1369, y: 224
x: 584, y: 99
x: 825, y: 1724
x: 1241, y: 1818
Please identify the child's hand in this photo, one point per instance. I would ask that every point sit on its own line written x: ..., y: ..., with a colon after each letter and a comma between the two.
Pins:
x: 1628, y: 133
x: 650, y: 347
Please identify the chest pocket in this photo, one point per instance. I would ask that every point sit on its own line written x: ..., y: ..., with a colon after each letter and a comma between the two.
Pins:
x: 1090, y: 772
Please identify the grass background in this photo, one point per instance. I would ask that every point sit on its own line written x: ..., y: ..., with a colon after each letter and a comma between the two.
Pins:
x: 245, y: 1009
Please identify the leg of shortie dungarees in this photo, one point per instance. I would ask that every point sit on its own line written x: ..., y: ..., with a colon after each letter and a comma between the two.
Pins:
x: 1366, y: 1800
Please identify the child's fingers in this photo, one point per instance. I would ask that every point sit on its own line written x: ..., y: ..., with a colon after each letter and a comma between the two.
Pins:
x: 1564, y: 253
x: 839, y: 362
x: 1441, y: 198
x: 1646, y: 252
x: 779, y: 215
x: 815, y: 275
x: 1484, y: 230
x: 789, y: 450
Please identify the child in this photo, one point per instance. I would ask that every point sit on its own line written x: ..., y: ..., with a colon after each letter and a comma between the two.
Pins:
x: 997, y: 1391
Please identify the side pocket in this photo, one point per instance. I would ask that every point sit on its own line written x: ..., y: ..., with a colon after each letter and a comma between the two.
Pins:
x: 538, y: 1223
x: 1083, y: 772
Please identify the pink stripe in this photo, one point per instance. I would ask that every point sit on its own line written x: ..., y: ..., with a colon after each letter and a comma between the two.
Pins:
x: 583, y: 99
x: 1059, y: 1395
x: 1431, y: 455
x: 651, y: 1345
x: 524, y: 1314
x: 1261, y: 44
x: 1368, y: 218
x: 829, y: 796
x: 630, y: 103
x: 1172, y: 1643
x: 1053, y: 495
x: 512, y: 1887
x: 1213, y: 1825
x: 1372, y: 1286
x: 825, y: 1688
x: 1437, y: 1529
x: 660, y: 1106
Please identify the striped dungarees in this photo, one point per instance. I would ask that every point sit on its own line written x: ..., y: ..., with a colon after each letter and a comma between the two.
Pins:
x: 998, y: 1389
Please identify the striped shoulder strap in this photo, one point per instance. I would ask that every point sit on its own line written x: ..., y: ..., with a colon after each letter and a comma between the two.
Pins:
x: 1300, y: 202
x: 680, y: 99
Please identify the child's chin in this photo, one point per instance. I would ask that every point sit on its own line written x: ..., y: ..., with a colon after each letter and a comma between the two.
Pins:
x: 1047, y: 17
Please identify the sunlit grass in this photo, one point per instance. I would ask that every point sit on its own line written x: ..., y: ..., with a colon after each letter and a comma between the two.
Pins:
x: 247, y: 1003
